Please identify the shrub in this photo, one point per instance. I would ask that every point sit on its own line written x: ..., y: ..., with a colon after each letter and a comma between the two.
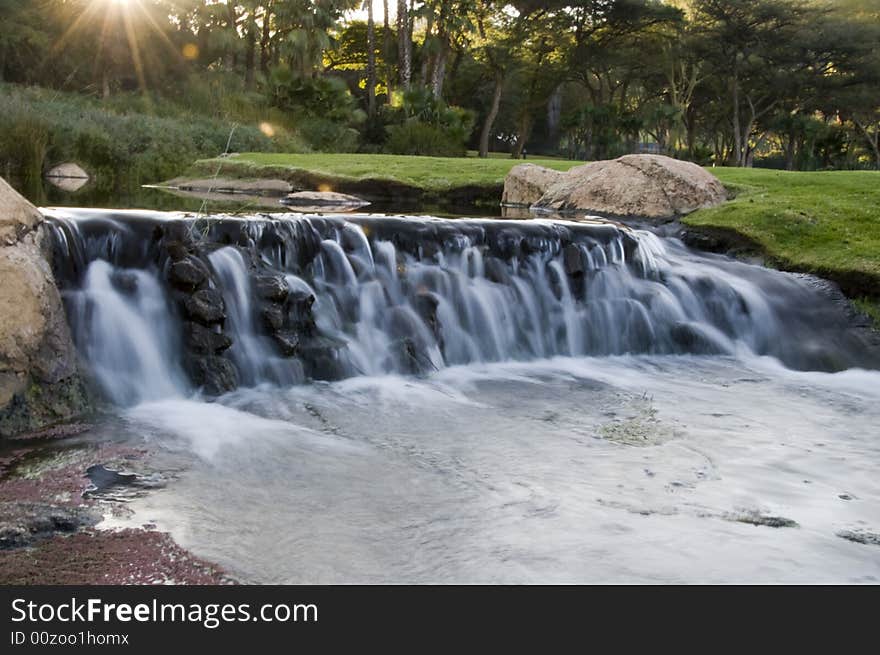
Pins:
x: 121, y: 148
x: 417, y: 138
x: 430, y: 127
x: 24, y: 141
x: 328, y: 136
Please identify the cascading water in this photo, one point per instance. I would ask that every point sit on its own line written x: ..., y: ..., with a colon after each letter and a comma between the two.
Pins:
x: 122, y: 327
x: 508, y: 401
x: 372, y: 295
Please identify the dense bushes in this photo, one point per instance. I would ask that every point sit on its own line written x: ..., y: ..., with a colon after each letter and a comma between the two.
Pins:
x: 322, y: 109
x: 429, y: 127
x: 415, y: 138
x: 121, y: 147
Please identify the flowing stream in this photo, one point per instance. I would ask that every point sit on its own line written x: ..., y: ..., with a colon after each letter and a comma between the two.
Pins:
x: 425, y: 400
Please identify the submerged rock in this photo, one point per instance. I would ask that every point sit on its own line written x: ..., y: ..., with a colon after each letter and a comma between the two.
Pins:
x: 322, y: 200
x: 23, y: 524
x: 756, y: 518
x: 860, y: 537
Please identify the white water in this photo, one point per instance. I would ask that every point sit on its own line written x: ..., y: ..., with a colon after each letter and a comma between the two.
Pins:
x: 620, y: 469
x: 553, y: 434
x: 126, y: 335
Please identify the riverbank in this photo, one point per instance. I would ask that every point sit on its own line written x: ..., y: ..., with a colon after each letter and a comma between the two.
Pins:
x: 825, y: 223
x: 58, y: 488
x: 377, y: 178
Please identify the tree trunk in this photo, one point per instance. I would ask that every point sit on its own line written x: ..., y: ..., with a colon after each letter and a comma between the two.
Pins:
x: 250, y: 58
x: 737, y: 128
x: 427, y: 62
x: 265, y: 42
x: 486, y: 132
x: 386, y: 51
x: 438, y: 75
x: 404, y: 45
x: 522, y: 135
x: 371, y: 61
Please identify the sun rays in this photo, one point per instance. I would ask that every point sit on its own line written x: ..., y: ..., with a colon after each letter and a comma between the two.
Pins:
x: 131, y: 18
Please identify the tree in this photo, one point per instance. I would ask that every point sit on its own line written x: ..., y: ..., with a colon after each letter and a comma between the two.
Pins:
x: 371, y: 60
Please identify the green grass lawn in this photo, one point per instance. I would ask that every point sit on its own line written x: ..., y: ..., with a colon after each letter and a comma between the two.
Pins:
x: 822, y: 222
x: 428, y: 173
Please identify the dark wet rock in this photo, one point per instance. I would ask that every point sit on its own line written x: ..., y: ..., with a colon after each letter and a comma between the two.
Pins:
x: 271, y: 287
x: 321, y: 357
x: 496, y: 270
x: 409, y: 358
x: 103, y: 478
x: 177, y: 232
x: 288, y: 342
x: 110, y: 484
x: 22, y: 524
x: 426, y: 306
x: 572, y: 260
x: 860, y: 537
x: 300, y: 301
x: 692, y: 340
x: 205, y: 341
x: 188, y: 274
x: 845, y: 497
x: 756, y: 518
x: 206, y: 307
x: 177, y: 250
x: 273, y: 317
x: 215, y: 375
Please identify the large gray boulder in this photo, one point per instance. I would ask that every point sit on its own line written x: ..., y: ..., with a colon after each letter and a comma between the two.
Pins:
x: 526, y: 183
x: 39, y: 381
x: 647, y: 186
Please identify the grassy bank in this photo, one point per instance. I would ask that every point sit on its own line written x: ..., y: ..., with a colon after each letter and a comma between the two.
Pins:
x: 343, y: 171
x: 827, y: 223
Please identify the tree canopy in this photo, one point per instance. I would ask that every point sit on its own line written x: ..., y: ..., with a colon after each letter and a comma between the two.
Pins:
x: 787, y: 83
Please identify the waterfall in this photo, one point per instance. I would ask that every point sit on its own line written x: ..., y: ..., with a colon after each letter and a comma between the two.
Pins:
x: 122, y: 327
x: 165, y: 303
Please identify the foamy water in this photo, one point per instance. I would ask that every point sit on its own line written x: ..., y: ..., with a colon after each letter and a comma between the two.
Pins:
x: 623, y: 469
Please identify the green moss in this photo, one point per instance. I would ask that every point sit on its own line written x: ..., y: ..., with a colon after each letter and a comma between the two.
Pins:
x: 870, y: 308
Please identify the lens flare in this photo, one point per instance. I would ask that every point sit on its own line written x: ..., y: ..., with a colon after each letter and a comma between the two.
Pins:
x: 190, y: 51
